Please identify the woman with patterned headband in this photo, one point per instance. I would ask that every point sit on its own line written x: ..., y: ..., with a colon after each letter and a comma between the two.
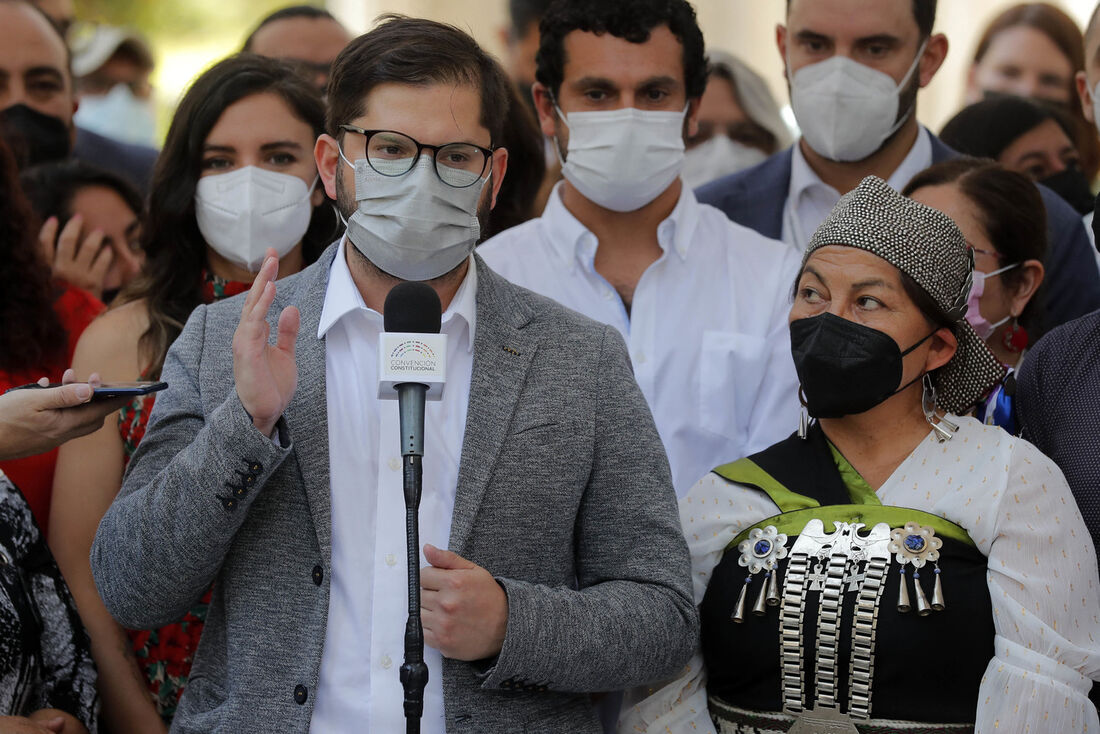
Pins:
x: 892, y: 566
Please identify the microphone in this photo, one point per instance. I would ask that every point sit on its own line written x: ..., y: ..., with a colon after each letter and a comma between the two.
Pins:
x: 411, y: 349
x: 412, y: 367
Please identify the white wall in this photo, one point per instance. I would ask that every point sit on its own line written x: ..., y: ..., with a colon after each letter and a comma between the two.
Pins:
x: 745, y: 27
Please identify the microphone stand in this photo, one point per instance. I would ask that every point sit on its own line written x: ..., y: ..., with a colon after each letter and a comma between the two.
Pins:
x: 414, y: 671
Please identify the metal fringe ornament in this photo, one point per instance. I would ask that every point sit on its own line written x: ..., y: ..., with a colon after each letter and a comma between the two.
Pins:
x: 923, y: 607
x: 903, y: 592
x: 760, y: 607
x: 773, y: 588
x: 937, y: 592
x: 739, y: 609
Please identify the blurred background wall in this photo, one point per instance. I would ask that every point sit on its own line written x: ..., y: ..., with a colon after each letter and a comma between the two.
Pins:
x: 189, y: 35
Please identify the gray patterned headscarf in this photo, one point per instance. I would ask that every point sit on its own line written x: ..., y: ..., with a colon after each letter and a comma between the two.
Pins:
x: 926, y: 245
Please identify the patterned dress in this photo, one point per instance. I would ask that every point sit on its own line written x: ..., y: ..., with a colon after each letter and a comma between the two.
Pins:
x: 45, y: 656
x: 165, y: 654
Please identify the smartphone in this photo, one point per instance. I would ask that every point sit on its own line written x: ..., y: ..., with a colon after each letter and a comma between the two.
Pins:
x: 109, y: 390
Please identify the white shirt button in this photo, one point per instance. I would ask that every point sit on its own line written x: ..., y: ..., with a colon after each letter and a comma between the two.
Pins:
x: 395, y: 464
x: 608, y: 294
x: 391, y: 559
x: 639, y: 358
x: 387, y: 663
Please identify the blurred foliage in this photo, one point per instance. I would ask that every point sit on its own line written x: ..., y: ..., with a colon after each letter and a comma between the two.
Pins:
x: 180, y: 20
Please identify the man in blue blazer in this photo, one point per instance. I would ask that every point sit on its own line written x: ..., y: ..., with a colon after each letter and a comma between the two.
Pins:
x: 854, y: 69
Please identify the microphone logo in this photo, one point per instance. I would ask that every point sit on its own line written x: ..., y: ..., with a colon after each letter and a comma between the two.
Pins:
x: 413, y: 355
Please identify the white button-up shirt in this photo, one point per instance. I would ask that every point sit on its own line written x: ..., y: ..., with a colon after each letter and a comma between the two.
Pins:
x: 707, y: 329
x: 359, y: 689
x: 809, y: 199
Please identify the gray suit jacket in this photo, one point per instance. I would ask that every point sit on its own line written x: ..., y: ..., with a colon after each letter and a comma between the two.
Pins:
x: 563, y: 494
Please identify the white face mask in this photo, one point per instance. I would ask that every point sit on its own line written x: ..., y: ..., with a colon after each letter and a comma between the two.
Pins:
x: 623, y: 159
x: 413, y: 226
x: 242, y: 213
x: 847, y: 110
x: 717, y: 157
x: 118, y: 115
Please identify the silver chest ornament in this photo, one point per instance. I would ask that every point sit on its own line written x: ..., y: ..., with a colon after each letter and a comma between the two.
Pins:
x: 916, y: 545
x: 762, y: 550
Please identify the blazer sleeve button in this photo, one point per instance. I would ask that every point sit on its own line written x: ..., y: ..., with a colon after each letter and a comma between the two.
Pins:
x: 301, y: 693
x: 318, y: 575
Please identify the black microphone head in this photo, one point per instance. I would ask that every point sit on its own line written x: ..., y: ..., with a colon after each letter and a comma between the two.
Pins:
x: 413, y: 307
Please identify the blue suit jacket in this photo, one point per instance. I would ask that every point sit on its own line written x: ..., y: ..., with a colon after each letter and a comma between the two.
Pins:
x: 757, y: 197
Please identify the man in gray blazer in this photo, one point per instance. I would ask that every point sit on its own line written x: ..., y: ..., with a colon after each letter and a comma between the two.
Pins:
x: 263, y: 471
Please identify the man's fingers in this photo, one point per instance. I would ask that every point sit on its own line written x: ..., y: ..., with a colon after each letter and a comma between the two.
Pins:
x: 432, y: 579
x: 47, y: 238
x: 266, y: 275
x: 66, y: 396
x: 445, y: 558
x: 289, y: 321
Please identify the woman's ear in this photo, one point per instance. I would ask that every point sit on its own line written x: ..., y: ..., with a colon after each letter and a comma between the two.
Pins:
x: 944, y: 346
x: 1028, y: 281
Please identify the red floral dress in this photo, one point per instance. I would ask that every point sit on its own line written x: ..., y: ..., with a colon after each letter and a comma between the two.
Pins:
x: 165, y: 654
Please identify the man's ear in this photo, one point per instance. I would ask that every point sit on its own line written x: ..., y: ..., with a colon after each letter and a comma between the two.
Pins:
x: 500, y: 167
x: 691, y: 122
x: 327, y: 154
x: 544, y: 106
x: 781, y: 44
x: 935, y: 51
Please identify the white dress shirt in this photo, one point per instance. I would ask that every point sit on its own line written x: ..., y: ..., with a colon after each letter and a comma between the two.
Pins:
x: 809, y: 199
x: 707, y: 330
x: 358, y: 688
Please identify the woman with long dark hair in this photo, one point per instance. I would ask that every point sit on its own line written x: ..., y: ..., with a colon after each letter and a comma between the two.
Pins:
x: 236, y: 176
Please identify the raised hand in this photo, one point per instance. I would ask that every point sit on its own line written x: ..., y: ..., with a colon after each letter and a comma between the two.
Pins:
x: 265, y: 375
x: 463, y: 608
x: 79, y: 262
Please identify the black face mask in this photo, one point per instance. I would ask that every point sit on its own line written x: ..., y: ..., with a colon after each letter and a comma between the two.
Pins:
x: 845, y: 368
x: 33, y: 136
x: 1072, y: 185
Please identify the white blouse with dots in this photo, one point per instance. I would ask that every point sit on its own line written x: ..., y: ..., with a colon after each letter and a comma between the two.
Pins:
x: 1016, y: 506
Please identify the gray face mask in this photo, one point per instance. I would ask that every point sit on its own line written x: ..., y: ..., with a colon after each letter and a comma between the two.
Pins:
x: 413, y: 226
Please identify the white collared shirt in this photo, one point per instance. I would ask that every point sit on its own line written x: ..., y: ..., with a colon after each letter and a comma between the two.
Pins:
x: 707, y: 330
x: 809, y: 199
x: 358, y: 688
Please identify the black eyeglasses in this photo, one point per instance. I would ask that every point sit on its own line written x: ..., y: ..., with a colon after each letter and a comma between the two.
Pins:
x: 391, y: 153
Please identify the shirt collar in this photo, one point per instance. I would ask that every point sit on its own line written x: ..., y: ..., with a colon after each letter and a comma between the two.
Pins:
x: 342, y: 297
x: 919, y: 157
x: 576, y: 244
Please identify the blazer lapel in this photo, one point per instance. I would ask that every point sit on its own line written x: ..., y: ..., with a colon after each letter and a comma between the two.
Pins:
x: 503, y: 352
x: 307, y: 414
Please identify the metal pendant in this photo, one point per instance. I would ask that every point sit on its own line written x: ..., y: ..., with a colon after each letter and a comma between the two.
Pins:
x: 923, y: 607
x: 760, y: 608
x: 773, y: 588
x: 937, y: 592
x: 739, y: 609
x: 903, y: 592
x: 822, y: 721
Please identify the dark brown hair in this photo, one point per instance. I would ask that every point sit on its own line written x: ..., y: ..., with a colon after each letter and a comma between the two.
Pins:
x: 1010, y: 210
x: 31, y: 333
x: 416, y: 52
x: 631, y: 20
x: 175, y: 249
x: 924, y: 12
x: 1064, y: 33
x: 526, y: 169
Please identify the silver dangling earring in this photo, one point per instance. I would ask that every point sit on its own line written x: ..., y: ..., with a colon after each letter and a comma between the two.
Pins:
x: 945, y: 429
x: 803, y: 417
